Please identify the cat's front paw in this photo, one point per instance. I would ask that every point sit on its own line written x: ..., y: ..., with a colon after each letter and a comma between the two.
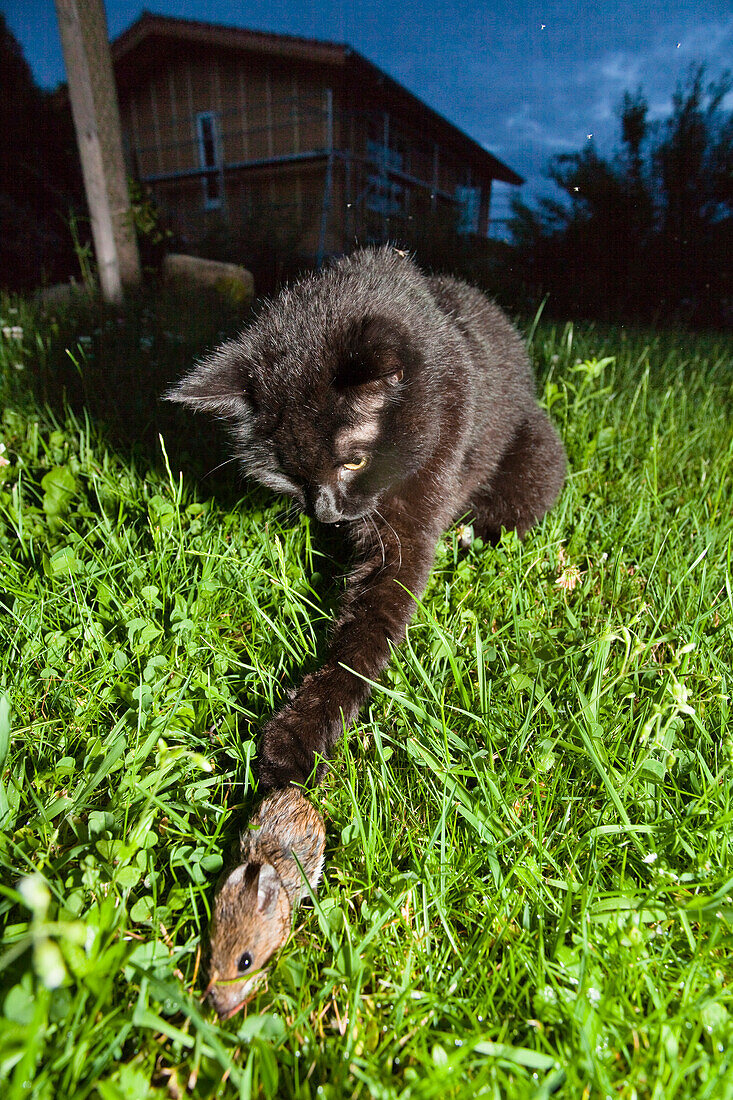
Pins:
x: 289, y: 752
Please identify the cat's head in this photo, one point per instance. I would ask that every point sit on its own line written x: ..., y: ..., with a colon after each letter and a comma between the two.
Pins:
x: 323, y: 405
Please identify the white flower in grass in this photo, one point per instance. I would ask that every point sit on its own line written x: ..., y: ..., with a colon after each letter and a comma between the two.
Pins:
x: 49, y: 964
x: 464, y: 531
x: 569, y: 578
x: 650, y: 857
x: 3, y: 460
x: 680, y: 695
x: 12, y: 332
x: 202, y: 762
x: 35, y: 893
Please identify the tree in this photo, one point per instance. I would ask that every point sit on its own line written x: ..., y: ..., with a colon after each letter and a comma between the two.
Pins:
x: 647, y: 230
x: 40, y: 182
x: 693, y: 171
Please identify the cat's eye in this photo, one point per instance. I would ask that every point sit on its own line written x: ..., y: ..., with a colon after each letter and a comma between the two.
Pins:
x: 244, y: 963
x: 356, y: 463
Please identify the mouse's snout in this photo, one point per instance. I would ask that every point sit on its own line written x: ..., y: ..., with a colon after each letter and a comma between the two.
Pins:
x: 228, y: 995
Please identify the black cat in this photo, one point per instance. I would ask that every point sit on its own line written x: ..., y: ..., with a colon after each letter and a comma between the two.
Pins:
x: 392, y: 403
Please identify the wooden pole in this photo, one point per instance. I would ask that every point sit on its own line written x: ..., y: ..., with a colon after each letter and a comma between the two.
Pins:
x: 85, y: 44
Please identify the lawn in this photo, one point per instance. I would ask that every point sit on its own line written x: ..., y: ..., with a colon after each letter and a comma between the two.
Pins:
x: 529, y: 831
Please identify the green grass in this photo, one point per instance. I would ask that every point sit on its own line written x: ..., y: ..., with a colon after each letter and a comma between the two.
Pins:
x: 529, y: 875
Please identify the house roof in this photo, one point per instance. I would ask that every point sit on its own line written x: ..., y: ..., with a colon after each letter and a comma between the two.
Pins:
x: 145, y: 37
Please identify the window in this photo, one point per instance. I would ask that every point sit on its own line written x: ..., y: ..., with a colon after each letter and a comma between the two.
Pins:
x: 384, y: 196
x: 390, y: 160
x: 468, y: 200
x: 210, y: 158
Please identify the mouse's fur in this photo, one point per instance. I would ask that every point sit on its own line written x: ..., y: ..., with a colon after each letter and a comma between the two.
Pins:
x: 253, y: 907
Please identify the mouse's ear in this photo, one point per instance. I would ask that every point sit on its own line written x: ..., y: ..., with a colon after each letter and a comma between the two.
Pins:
x: 269, y: 886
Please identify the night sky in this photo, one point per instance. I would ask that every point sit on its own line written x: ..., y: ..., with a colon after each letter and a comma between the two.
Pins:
x: 525, y: 80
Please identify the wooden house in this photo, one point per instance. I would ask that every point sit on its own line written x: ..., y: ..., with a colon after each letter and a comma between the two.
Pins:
x: 227, y: 125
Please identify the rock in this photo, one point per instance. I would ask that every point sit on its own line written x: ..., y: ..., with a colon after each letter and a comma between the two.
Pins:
x: 60, y: 294
x: 230, y: 280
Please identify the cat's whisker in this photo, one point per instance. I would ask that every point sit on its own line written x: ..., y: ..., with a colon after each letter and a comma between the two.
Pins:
x: 226, y: 462
x: 397, y: 537
x: 378, y: 533
x: 294, y: 509
x: 202, y: 400
x: 367, y: 522
x: 413, y: 517
x: 368, y: 519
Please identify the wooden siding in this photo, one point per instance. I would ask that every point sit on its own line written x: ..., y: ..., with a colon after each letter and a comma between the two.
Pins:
x: 275, y: 126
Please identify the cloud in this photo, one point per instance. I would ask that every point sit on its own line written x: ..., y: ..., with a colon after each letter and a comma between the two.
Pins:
x: 660, y: 109
x: 524, y: 128
x: 621, y: 68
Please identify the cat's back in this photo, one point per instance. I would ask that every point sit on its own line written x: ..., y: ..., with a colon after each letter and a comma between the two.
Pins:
x: 496, y: 346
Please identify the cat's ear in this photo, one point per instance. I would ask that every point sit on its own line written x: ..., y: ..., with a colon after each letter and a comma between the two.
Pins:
x: 376, y: 354
x: 217, y: 384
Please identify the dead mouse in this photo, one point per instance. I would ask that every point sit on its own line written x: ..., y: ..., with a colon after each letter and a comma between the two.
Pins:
x: 254, y: 902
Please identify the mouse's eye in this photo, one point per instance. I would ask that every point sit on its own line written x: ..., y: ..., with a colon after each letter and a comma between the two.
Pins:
x: 356, y: 463
x: 244, y: 963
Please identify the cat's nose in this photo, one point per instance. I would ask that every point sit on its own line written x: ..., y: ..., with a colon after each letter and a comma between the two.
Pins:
x: 325, y: 507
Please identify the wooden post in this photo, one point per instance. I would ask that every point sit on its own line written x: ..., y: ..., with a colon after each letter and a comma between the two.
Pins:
x: 85, y: 44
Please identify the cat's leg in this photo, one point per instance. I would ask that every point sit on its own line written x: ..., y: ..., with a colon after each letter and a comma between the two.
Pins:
x: 377, y: 607
x: 526, y: 484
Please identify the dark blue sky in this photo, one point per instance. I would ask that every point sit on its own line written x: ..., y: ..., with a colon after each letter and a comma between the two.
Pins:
x: 526, y: 79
